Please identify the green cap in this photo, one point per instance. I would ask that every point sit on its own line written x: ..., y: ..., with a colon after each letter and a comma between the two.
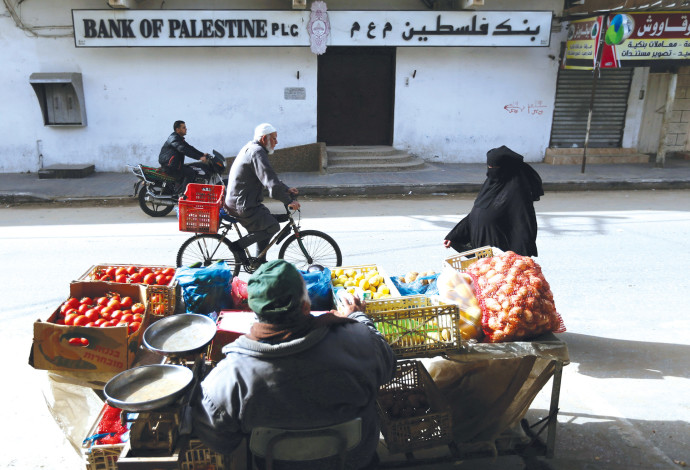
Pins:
x: 275, y: 289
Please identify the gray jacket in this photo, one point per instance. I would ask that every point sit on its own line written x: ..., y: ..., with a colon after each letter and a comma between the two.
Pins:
x: 250, y: 173
x: 330, y: 376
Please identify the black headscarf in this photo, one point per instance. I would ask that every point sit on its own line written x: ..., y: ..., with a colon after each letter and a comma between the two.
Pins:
x: 503, y: 213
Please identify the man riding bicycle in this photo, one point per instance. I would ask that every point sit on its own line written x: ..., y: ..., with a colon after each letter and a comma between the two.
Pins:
x: 171, y: 157
x: 250, y: 173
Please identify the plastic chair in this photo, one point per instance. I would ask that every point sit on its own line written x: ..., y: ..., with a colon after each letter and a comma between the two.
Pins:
x: 305, y: 444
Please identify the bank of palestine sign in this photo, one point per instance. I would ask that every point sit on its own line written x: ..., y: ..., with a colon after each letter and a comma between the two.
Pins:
x: 630, y: 40
x: 233, y: 28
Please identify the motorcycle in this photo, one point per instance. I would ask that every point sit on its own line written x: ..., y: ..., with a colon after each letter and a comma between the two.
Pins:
x: 156, y: 189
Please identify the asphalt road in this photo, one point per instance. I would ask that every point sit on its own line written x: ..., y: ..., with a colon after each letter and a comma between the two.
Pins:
x: 617, y: 262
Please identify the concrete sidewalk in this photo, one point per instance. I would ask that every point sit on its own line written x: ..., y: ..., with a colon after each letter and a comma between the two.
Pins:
x: 435, y: 178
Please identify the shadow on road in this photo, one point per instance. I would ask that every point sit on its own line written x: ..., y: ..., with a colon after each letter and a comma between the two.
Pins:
x: 608, y: 358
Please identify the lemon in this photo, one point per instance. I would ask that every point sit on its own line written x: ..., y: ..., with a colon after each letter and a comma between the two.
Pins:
x: 342, y: 278
x: 351, y: 290
x: 337, y: 284
x: 375, y: 295
x: 383, y: 289
x: 364, y: 284
x: 375, y: 280
x: 351, y: 273
x: 333, y: 275
x: 338, y: 272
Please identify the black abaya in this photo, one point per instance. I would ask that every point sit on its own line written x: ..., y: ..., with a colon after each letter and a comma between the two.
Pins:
x: 503, y: 213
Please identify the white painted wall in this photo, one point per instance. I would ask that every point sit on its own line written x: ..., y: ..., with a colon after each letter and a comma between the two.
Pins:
x: 452, y: 111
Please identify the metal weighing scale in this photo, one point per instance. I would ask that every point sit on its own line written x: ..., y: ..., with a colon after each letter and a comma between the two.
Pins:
x: 159, y: 394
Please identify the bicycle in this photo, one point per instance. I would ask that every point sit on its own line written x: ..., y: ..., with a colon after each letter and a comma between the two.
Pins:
x: 303, y: 248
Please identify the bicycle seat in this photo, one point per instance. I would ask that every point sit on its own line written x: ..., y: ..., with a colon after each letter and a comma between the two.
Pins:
x: 227, y: 217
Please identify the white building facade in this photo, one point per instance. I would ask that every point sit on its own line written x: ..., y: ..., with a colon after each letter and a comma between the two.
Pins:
x: 444, y: 85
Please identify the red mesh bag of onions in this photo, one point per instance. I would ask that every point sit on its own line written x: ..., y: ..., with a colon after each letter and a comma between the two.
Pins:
x: 515, y: 299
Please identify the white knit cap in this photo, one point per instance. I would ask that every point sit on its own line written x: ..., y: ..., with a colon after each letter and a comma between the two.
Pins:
x: 263, y: 129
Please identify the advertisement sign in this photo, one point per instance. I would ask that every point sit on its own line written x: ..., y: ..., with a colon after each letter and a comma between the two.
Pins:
x: 583, y: 42
x: 633, y: 39
x: 629, y: 40
x: 252, y: 28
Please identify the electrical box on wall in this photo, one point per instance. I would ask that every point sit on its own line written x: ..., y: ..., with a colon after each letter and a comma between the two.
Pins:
x: 61, y: 98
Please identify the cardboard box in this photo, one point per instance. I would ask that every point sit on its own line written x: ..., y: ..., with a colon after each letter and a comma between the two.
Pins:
x: 163, y: 299
x: 110, y: 350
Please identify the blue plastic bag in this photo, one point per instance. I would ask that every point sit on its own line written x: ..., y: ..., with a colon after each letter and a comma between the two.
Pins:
x: 205, y: 290
x: 319, y: 289
x: 417, y: 287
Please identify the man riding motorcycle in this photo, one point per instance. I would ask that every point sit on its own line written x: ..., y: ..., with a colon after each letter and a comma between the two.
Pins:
x: 171, y: 157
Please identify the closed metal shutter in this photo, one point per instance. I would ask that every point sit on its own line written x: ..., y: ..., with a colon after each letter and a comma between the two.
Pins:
x: 573, y: 94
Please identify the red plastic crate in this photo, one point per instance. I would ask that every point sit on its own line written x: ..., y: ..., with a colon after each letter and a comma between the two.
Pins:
x: 199, y: 212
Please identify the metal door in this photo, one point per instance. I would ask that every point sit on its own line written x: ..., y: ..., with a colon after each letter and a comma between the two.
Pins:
x: 571, y: 109
x: 653, y: 114
x: 356, y: 87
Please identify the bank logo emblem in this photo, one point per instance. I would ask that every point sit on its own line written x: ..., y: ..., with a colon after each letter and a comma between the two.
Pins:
x: 318, y: 27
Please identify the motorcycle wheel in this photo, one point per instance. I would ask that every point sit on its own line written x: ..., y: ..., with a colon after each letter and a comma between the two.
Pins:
x: 152, y: 208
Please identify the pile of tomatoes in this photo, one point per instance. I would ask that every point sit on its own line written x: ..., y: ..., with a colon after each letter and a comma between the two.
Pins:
x: 108, y: 310
x: 134, y: 275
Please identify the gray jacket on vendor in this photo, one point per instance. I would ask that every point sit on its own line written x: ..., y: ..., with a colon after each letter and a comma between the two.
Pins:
x: 329, y: 376
x: 250, y: 173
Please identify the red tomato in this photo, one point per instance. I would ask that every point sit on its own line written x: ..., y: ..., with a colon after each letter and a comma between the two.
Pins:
x: 125, y: 302
x: 104, y: 310
x: 83, y: 308
x: 122, y: 270
x: 92, y: 315
x: 69, y: 319
x: 138, y: 308
x: 135, y: 278
x: 72, y: 302
x: 75, y: 341
x: 145, y: 271
x: 121, y: 278
x: 90, y: 324
x: 137, y: 317
x: 160, y: 309
x: 131, y: 270
x: 81, y: 320
x: 86, y: 301
x: 126, y: 317
x: 110, y: 271
x: 61, y: 321
x: 134, y: 326
x: 160, y: 279
x: 102, y: 301
x: 114, y: 303
x: 71, y: 311
x: 116, y: 315
x: 169, y: 271
x: 99, y: 322
x: 168, y: 279
x: 150, y: 278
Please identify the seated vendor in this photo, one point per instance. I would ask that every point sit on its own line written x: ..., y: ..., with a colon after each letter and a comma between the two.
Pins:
x: 295, y: 370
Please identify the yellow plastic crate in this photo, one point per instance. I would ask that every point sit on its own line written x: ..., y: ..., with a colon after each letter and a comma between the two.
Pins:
x: 463, y: 260
x: 416, y: 325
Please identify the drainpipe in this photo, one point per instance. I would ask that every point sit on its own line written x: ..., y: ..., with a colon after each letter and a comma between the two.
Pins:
x: 670, y: 98
x: 39, y: 150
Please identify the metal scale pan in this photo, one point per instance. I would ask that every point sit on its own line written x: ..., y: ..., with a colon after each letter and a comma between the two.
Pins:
x: 180, y: 335
x: 147, y: 388
x: 155, y: 386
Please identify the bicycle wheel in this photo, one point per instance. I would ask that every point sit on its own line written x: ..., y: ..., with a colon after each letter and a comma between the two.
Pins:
x: 320, y: 247
x: 207, y: 249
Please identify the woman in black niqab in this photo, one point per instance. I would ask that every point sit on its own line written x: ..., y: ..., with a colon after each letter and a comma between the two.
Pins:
x: 503, y: 213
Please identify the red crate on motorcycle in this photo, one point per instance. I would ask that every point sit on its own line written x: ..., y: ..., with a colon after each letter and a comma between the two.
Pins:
x: 199, y: 210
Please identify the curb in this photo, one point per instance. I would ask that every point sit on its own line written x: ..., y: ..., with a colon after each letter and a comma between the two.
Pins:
x: 392, y: 189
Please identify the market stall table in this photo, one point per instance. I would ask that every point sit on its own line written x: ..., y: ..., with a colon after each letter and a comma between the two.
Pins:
x: 490, y: 387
